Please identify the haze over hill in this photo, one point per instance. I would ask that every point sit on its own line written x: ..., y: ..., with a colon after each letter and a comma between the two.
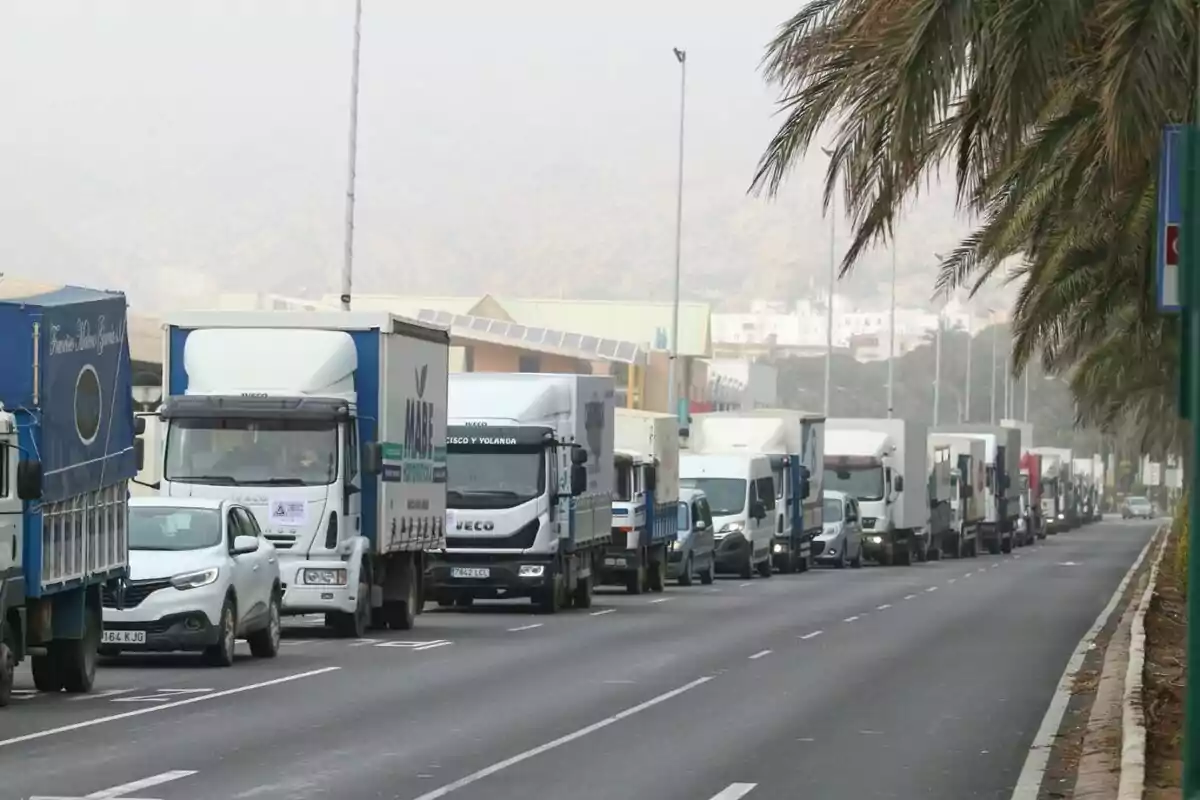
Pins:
x: 516, y: 148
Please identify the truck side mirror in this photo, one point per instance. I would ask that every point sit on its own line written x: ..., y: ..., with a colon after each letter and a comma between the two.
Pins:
x: 372, y: 458
x: 898, y: 482
x: 139, y: 425
x: 579, y: 456
x: 139, y: 454
x: 29, y: 479
x: 804, y: 487
x: 578, y: 478
x: 651, y: 478
x: 758, y: 510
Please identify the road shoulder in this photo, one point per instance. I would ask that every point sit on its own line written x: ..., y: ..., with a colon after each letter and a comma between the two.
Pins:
x: 1166, y: 663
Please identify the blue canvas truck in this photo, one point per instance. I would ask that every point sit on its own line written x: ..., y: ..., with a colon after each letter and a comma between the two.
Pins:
x: 68, y: 450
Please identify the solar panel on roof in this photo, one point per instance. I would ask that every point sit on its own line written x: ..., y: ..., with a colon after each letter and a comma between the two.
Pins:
x: 481, y: 324
x: 554, y: 338
x: 571, y: 340
x: 535, y: 334
x: 461, y: 320
x: 608, y: 347
x: 626, y: 351
x: 589, y: 344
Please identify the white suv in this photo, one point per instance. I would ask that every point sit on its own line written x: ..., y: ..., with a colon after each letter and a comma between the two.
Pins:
x: 201, y: 575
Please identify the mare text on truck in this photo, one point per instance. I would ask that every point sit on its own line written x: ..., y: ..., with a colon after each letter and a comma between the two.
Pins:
x: 68, y: 449
x: 1002, y: 451
x: 530, y: 485
x: 873, y: 460
x: 967, y: 487
x: 793, y: 441
x: 331, y: 428
x: 645, y: 507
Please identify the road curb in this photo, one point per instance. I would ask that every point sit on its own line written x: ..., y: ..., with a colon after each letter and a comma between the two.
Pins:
x: 1132, y: 783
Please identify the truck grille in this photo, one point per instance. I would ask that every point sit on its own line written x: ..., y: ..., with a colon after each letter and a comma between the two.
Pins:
x: 521, y: 540
x: 282, y: 541
x: 868, y: 523
x: 135, y: 593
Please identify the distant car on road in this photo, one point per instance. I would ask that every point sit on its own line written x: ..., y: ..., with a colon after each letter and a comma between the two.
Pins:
x: 693, y: 553
x: 840, y: 541
x: 201, y: 576
x: 1137, y: 508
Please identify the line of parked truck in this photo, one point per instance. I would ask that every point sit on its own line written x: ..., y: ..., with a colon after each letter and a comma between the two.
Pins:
x: 365, y: 480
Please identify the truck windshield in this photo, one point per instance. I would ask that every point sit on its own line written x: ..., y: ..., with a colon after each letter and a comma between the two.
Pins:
x: 494, y: 478
x: 255, y: 452
x: 863, y: 483
x: 726, y: 496
x: 165, y: 528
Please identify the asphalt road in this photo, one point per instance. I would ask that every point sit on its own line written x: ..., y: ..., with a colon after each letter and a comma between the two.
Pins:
x: 921, y: 682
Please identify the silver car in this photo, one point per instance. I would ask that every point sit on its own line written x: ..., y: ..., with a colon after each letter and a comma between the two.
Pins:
x: 840, y: 541
x: 693, y: 554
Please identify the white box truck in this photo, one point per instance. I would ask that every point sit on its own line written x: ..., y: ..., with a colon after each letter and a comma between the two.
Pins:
x: 794, y: 443
x: 645, y: 504
x: 331, y: 428
x: 1055, y: 483
x: 530, y: 487
x: 968, y: 487
x: 882, y: 463
x: 1002, y: 509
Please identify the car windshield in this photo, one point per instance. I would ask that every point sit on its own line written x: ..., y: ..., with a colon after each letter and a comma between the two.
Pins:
x: 682, y: 524
x: 832, y: 510
x: 173, y: 528
x: 863, y: 483
x: 1138, y: 501
x: 494, y: 478
x: 726, y: 496
x: 254, y: 452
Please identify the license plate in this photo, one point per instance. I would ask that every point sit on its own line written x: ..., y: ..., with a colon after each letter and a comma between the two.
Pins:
x: 123, y: 637
x: 469, y: 572
x: 613, y: 562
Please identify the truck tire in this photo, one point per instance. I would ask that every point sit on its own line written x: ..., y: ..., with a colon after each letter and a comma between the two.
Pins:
x: 46, y: 675
x: 934, y: 553
x: 685, y: 572
x: 993, y: 547
x: 635, y: 581
x: 401, y: 615
x: 747, y: 570
x: 582, y: 596
x: 709, y: 574
x: 764, y: 568
x: 902, y: 556
x: 656, y: 576
x: 548, y: 599
x: 354, y: 625
x: 8, y: 668
x: 1006, y: 545
x: 77, y: 657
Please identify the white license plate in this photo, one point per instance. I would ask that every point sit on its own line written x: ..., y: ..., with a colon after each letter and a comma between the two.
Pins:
x: 612, y: 562
x: 123, y: 637
x: 469, y: 572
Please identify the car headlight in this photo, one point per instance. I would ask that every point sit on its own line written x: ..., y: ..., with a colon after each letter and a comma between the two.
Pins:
x: 194, y: 580
x: 323, y: 577
x: 732, y: 527
x: 676, y: 545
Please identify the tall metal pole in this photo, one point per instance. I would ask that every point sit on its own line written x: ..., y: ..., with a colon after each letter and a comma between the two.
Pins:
x: 891, y: 389
x: 995, y: 353
x: 970, y: 347
x: 672, y: 389
x: 832, y: 284
x: 937, y: 371
x: 348, y: 241
x: 1007, y: 394
x: 1026, y: 405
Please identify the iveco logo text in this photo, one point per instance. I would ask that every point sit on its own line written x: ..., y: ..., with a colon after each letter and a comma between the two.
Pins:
x: 475, y: 526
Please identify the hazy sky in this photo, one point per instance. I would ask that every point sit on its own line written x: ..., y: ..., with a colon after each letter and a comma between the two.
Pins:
x: 176, y: 148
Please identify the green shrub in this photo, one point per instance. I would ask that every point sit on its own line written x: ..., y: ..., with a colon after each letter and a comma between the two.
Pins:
x: 1179, y: 529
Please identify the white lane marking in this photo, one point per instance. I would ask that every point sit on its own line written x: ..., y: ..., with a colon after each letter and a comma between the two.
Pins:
x: 362, y: 642
x: 475, y: 777
x: 812, y: 635
x: 416, y: 645
x: 102, y: 695
x: 187, y: 701
x: 662, y: 600
x: 734, y: 791
x: 602, y: 612
x: 883, y: 607
x: 748, y: 583
x: 159, y: 696
x: 527, y: 627
x: 1029, y: 782
x: 952, y: 580
x: 433, y: 645
x: 296, y: 642
x: 931, y: 589
x: 850, y: 619
x: 24, y: 694
x: 969, y: 574
x: 124, y: 789
x: 1016, y: 556
x: 909, y: 596
x: 760, y: 654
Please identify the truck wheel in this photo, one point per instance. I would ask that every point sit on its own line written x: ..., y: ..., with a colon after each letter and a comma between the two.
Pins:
x: 264, y: 643
x: 802, y: 563
x: 582, y: 596
x: 657, y: 576
x: 685, y: 572
x: 709, y: 575
x: 993, y: 547
x: 935, y: 553
x: 354, y: 625
x: 786, y: 563
x: 903, y: 556
x: 635, y: 581
x: 856, y: 562
x: 401, y: 615
x: 221, y: 654
x: 1006, y: 545
x: 546, y: 600
x: 46, y: 675
x: 747, y: 571
x: 764, y: 568
x: 8, y: 666
x: 77, y: 657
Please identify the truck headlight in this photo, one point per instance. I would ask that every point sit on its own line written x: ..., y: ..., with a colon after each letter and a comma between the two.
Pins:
x: 531, y: 570
x: 778, y: 548
x: 194, y: 580
x: 323, y: 577
x: 732, y: 527
x: 676, y: 545
x: 875, y: 539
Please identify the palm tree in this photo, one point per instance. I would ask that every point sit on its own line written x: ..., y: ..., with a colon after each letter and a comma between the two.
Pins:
x: 1049, y: 112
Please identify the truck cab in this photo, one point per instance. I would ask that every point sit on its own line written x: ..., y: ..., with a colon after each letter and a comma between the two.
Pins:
x: 862, y: 464
x: 740, y: 488
x: 967, y: 493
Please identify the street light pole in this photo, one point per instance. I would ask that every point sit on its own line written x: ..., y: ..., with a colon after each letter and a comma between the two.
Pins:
x: 937, y: 371
x: 1026, y: 405
x: 832, y: 283
x: 348, y: 236
x: 995, y: 353
x: 672, y: 389
x: 970, y: 343
x: 891, y: 388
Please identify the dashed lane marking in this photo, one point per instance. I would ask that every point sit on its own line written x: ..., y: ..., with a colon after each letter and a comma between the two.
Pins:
x: 812, y: 635
x: 416, y: 645
x: 931, y: 589
x: 661, y: 600
x: 602, y: 612
x: 124, y: 789
x: 883, y: 607
x: 734, y: 791
x: 850, y: 619
x: 760, y: 654
x: 909, y: 596
x: 526, y: 627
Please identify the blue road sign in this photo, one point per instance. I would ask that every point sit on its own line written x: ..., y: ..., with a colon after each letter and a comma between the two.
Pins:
x: 1170, y: 217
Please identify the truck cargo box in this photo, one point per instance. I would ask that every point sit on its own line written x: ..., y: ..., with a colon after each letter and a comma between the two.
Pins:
x: 653, y: 435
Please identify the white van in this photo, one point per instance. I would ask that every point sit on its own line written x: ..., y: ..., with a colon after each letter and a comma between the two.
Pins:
x: 741, y: 494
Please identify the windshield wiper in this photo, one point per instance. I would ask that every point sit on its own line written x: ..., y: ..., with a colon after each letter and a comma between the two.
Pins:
x: 204, y: 479
x: 485, y: 492
x: 277, y: 482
